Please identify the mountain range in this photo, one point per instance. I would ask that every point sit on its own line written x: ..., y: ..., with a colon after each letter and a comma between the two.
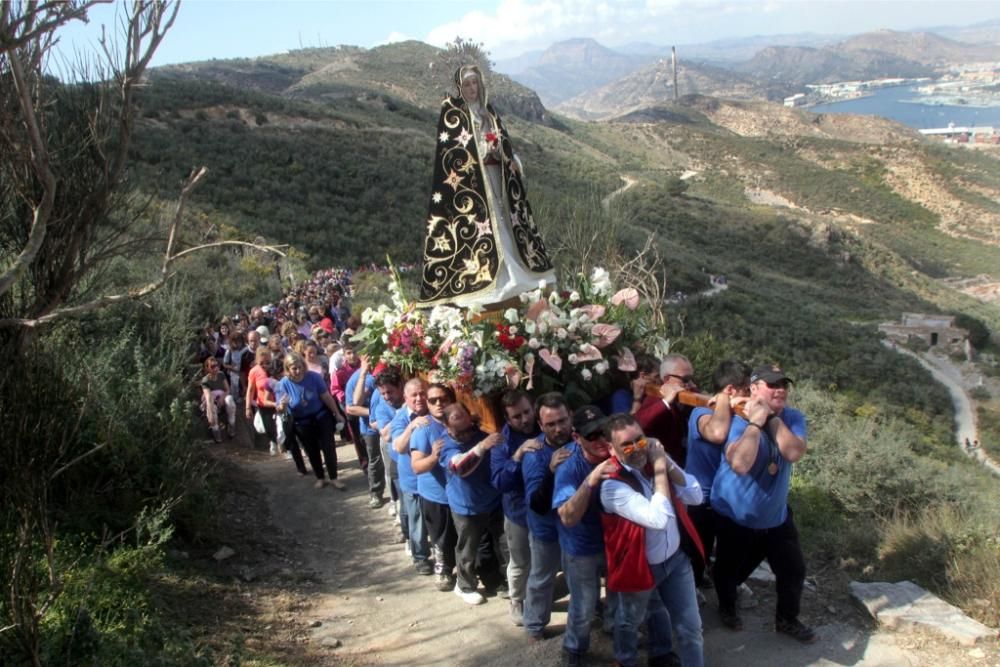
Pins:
x: 585, y: 79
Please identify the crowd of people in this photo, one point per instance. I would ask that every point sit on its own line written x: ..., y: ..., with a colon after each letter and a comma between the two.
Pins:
x: 657, y: 500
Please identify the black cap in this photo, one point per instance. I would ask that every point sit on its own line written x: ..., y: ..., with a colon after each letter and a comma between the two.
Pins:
x: 770, y: 374
x: 588, y: 420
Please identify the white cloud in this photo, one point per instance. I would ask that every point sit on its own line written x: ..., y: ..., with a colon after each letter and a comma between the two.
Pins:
x: 394, y: 37
x: 524, y: 24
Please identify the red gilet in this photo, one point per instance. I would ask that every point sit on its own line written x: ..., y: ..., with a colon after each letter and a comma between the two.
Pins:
x: 625, y: 541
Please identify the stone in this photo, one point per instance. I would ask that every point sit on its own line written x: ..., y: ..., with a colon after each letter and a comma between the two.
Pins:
x: 315, y: 624
x: 331, y: 642
x: 223, y: 553
x: 906, y: 605
x: 763, y: 573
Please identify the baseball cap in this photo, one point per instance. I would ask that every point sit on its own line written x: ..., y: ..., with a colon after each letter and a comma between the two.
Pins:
x: 264, y: 333
x: 588, y: 420
x: 770, y: 373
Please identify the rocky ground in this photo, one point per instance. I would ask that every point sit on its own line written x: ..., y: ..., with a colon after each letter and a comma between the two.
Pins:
x: 314, y: 577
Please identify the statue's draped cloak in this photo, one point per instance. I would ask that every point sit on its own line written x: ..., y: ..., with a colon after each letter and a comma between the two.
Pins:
x: 463, y: 247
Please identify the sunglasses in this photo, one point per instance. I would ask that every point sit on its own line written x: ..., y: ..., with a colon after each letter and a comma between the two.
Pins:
x: 438, y: 400
x: 686, y: 379
x: 633, y: 445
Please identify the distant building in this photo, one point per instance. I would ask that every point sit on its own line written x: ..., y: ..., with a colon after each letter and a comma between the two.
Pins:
x: 795, y: 100
x: 934, y: 330
x: 980, y: 134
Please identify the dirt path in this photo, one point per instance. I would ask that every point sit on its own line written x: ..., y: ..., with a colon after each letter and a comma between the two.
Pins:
x: 627, y: 181
x: 965, y: 421
x: 348, y: 595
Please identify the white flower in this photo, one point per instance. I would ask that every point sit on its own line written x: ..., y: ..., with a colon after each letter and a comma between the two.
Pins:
x: 542, y: 328
x: 561, y: 333
x: 534, y: 343
x: 385, y: 338
x: 542, y: 283
x: 572, y: 359
x: 512, y: 329
x: 601, y: 281
x: 585, y: 374
x: 510, y: 315
x: 601, y: 367
x: 428, y: 340
x: 475, y: 309
x: 574, y: 296
x: 529, y: 327
x: 525, y: 297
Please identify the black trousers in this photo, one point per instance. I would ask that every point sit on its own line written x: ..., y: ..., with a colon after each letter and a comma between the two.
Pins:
x: 316, y: 437
x: 740, y: 550
x: 441, y: 533
x: 354, y: 433
x: 270, y: 428
x: 703, y: 518
x: 470, y: 529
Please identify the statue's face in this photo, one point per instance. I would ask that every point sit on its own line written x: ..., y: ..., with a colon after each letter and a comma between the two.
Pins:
x: 470, y: 88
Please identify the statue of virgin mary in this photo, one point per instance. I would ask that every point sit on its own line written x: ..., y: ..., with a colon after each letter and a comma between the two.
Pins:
x: 482, y: 246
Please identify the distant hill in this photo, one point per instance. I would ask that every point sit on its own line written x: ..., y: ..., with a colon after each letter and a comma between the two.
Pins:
x: 400, y: 72
x: 736, y: 49
x: 653, y: 85
x: 571, y: 67
x: 922, y: 47
x: 986, y: 32
x: 797, y: 65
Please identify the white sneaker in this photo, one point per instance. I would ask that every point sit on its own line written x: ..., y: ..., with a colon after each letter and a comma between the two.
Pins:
x: 472, y: 597
x: 287, y: 456
x: 745, y: 598
x: 409, y: 549
x: 274, y: 449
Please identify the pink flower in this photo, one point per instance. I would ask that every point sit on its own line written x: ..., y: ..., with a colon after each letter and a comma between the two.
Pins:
x: 594, y: 312
x: 605, y: 334
x: 626, y: 361
x: 536, y: 309
x: 552, y: 358
x: 588, y: 353
x: 629, y: 296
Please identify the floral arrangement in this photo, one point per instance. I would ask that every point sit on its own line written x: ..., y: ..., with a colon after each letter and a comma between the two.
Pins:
x: 573, y: 341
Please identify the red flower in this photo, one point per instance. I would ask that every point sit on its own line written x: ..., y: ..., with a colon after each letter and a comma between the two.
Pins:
x: 510, y: 343
x: 491, y: 137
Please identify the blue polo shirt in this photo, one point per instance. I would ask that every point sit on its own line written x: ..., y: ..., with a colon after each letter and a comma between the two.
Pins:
x: 430, y: 485
x: 370, y: 391
x: 505, y: 473
x: 534, y: 470
x: 404, y: 466
x: 472, y: 494
x: 587, y: 537
x: 703, y: 457
x: 304, y: 397
x: 382, y: 413
x: 758, y: 499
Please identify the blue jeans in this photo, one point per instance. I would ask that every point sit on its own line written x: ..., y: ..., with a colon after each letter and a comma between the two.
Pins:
x: 583, y: 575
x: 545, y: 559
x: 671, y: 601
x: 416, y: 530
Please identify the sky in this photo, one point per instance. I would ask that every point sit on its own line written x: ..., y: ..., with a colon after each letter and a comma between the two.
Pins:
x: 208, y: 29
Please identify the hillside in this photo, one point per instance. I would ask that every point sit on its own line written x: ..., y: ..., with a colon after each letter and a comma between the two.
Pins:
x: 921, y: 47
x: 653, y: 85
x: 802, y: 65
x: 571, y: 67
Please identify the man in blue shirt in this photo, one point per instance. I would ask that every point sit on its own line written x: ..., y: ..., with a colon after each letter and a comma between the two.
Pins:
x: 475, y: 504
x: 538, y: 468
x: 410, y: 417
x: 581, y: 537
x: 387, y: 399
x: 425, y: 451
x: 708, y: 429
x: 357, y: 399
x: 750, y: 499
x: 519, y: 434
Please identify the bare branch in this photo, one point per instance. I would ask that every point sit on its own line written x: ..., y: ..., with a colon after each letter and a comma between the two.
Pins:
x: 43, y: 172
x: 79, y: 458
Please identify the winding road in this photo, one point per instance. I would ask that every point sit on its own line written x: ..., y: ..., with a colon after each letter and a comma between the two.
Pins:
x: 965, y: 420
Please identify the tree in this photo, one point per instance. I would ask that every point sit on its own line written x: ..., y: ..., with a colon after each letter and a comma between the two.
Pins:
x: 66, y: 212
x: 68, y: 219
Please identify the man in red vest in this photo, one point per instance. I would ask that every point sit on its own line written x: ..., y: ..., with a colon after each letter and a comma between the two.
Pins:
x: 644, y: 520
